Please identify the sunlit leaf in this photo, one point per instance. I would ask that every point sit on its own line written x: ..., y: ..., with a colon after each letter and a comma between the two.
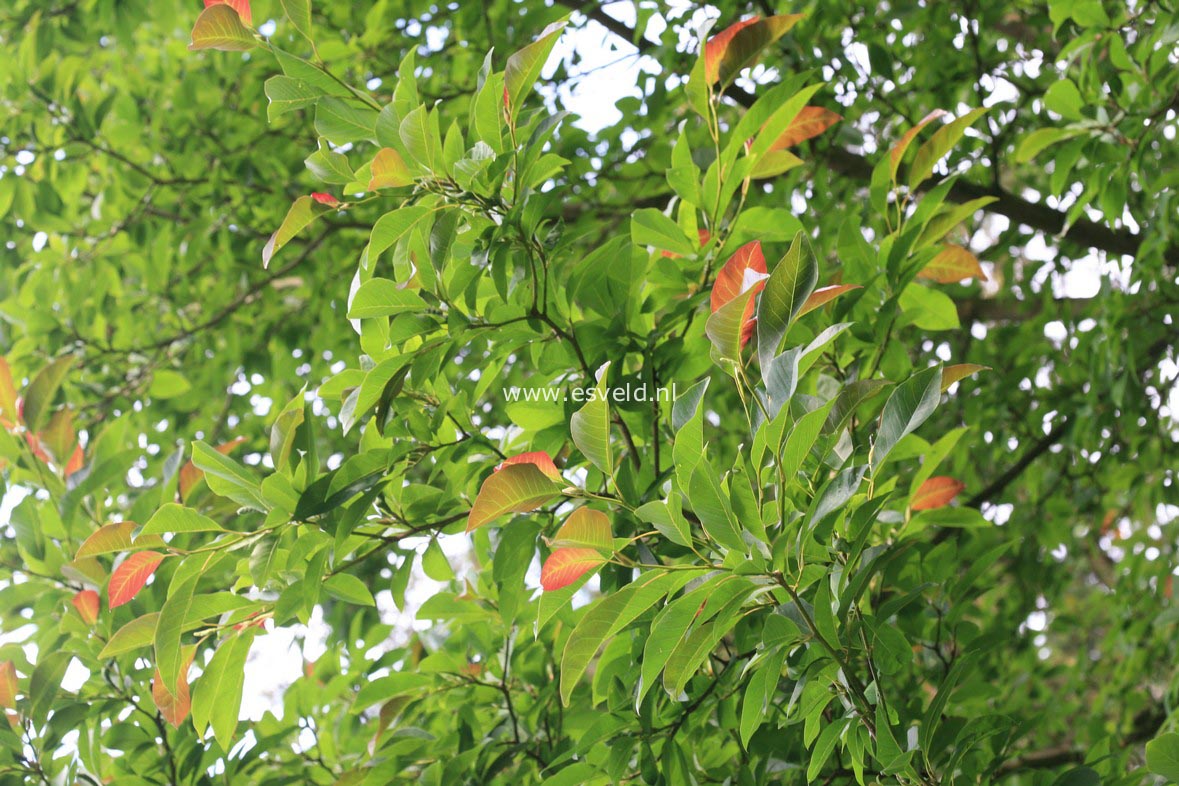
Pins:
x: 566, y: 565
x: 739, y: 45
x: 517, y: 488
x: 898, y: 150
x: 241, y: 6
x: 936, y: 492
x: 389, y: 170
x: 130, y: 576
x: 87, y: 604
x: 524, y: 68
x: 787, y: 289
x: 220, y: 27
x: 590, y: 426
x: 956, y: 373
x: 303, y: 211
x: 808, y: 123
x: 951, y: 265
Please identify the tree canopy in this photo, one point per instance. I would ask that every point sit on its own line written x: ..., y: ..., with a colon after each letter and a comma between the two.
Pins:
x: 589, y: 393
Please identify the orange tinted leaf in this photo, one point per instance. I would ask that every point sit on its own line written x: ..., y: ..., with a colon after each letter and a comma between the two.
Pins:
x: 565, y: 566
x: 898, y: 150
x: 516, y: 488
x: 739, y: 44
x: 8, y: 409
x: 810, y: 122
x: 585, y: 528
x: 389, y: 170
x: 824, y: 295
x: 952, y: 374
x: 8, y: 685
x: 744, y: 272
x: 112, y: 538
x: 87, y: 603
x: 220, y: 27
x: 936, y: 492
x: 76, y: 462
x: 173, y: 703
x: 951, y: 265
x: 241, y: 6
x: 129, y: 578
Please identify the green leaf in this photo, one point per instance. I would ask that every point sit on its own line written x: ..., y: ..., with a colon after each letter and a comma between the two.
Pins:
x: 167, y: 384
x: 392, y: 227
x: 299, y: 12
x: 348, y: 588
x: 177, y: 518
x: 725, y: 325
x: 524, y: 68
x: 220, y: 27
x: 910, y: 404
x: 342, y: 121
x: 824, y: 747
x: 303, y: 211
x: 228, y: 478
x: 590, y: 426
x: 39, y: 395
x: 609, y: 616
x: 1042, y: 138
x: 790, y: 283
x: 139, y: 632
x: 517, y: 488
x: 420, y: 135
x: 287, y: 94
x: 170, y: 628
x: 380, y: 297
x: 45, y: 683
x: 711, y: 506
x: 938, y: 145
x: 649, y: 227
x: 1162, y: 756
x: 217, y: 696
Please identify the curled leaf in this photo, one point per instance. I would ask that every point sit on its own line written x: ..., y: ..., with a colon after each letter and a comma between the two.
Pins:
x: 325, y: 199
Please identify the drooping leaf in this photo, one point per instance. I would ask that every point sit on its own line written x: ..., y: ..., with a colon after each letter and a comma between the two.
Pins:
x: 299, y: 12
x: 649, y: 227
x: 217, y: 696
x: 348, y: 588
x: 173, y: 700
x: 518, y: 488
x: 936, y: 492
x: 220, y: 27
x: 130, y: 576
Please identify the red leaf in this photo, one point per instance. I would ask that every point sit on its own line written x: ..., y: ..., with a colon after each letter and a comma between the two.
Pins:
x: 810, y: 122
x: 539, y: 458
x: 745, y: 270
x: 715, y: 48
x: 241, y: 6
x: 565, y: 566
x: 823, y: 296
x: 86, y: 602
x: 129, y: 578
x: 936, y: 493
x: 324, y: 199
x: 739, y: 44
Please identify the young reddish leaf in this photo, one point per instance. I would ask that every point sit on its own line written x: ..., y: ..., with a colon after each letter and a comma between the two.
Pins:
x: 739, y: 45
x: 303, y: 211
x: 8, y: 685
x: 810, y: 122
x: 824, y: 295
x: 173, y: 703
x: 951, y: 265
x: 744, y: 272
x: 936, y: 492
x: 324, y: 199
x: 565, y: 566
x: 538, y: 458
x: 8, y: 411
x: 389, y: 170
x: 76, y: 462
x: 220, y: 27
x: 952, y: 374
x: 87, y: 604
x: 130, y: 577
x: 112, y: 538
x: 585, y: 528
x: 241, y: 6
x: 517, y: 488
x: 898, y: 150
x: 190, y: 474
